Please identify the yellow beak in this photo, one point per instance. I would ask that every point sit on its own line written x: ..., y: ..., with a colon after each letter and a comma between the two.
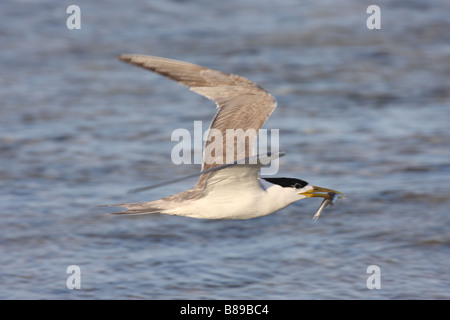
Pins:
x: 322, y: 193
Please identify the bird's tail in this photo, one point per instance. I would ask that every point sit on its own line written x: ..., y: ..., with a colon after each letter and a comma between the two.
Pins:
x: 134, y: 208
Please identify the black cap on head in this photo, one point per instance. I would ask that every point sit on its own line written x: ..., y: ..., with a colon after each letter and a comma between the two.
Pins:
x: 287, y: 182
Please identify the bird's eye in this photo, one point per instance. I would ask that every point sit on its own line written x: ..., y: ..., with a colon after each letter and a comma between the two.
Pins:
x: 298, y: 186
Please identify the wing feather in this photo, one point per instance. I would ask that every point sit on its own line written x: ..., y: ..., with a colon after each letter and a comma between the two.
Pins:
x: 241, y: 103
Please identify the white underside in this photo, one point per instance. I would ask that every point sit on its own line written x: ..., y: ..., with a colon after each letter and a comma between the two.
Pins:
x: 238, y: 203
x: 232, y: 192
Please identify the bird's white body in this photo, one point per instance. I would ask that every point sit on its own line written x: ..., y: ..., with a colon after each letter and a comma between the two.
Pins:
x: 239, y: 203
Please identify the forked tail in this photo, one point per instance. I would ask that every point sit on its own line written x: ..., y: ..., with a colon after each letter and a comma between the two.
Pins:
x: 133, y: 208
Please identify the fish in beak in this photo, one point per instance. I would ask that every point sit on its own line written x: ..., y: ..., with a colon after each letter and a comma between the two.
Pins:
x: 330, y: 197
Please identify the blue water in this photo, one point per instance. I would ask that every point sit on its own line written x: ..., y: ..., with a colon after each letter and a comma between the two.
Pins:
x: 362, y: 111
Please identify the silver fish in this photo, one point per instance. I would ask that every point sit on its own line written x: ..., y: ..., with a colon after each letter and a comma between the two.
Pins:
x: 331, y: 201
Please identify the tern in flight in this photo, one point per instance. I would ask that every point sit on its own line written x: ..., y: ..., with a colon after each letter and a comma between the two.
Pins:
x: 233, y: 190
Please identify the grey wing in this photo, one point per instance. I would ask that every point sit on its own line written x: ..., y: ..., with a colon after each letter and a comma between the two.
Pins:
x: 237, y: 176
x: 242, y: 105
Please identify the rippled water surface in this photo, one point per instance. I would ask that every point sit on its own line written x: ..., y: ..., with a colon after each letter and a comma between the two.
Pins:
x: 362, y: 111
